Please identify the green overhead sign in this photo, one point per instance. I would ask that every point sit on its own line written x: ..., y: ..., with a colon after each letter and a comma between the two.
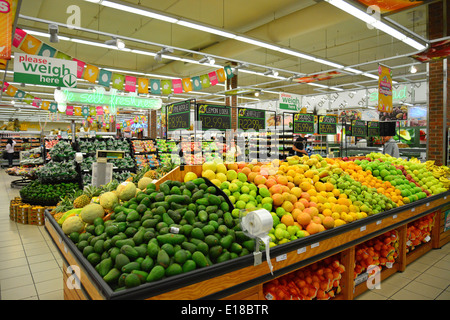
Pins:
x: 100, y: 97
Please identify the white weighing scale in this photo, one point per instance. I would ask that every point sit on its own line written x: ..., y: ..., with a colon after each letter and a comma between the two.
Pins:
x: 102, y: 170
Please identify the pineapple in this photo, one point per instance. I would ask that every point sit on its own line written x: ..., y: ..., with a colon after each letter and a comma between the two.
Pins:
x: 81, y: 201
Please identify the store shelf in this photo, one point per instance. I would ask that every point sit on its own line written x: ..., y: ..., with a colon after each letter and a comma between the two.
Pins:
x: 239, y: 275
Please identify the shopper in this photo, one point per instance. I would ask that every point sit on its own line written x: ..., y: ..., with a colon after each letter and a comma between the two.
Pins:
x: 391, y: 147
x: 299, y: 145
x: 10, y: 151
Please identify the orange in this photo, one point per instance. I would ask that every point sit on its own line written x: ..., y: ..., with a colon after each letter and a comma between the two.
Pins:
x: 327, y: 212
x: 320, y: 186
x: 303, y: 219
x: 287, y: 206
x: 312, y: 192
x: 287, y: 219
x: 328, y: 186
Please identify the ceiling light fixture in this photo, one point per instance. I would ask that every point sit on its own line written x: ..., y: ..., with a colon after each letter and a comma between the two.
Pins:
x: 53, y: 31
x: 271, y: 72
x: 207, y: 60
x: 197, y: 26
x: 413, y: 69
x: 376, y: 23
x: 119, y: 44
x: 159, y: 54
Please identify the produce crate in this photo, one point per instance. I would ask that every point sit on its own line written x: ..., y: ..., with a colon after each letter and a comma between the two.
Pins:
x: 27, y: 214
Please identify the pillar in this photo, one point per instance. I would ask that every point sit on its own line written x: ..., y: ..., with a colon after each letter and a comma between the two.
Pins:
x: 438, y: 87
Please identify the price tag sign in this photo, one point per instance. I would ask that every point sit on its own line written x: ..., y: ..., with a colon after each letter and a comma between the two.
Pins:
x: 327, y: 124
x: 214, y: 117
x: 359, y: 128
x: 373, y: 128
x: 281, y: 257
x: 301, y: 250
x: 304, y: 123
x: 251, y: 119
x: 179, y: 116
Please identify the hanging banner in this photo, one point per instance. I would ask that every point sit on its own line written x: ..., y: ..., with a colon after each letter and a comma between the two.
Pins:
x: 177, y: 86
x: 18, y: 37
x: 7, y: 15
x: 205, y: 81
x: 36, y: 102
x: 213, y: 78
x: 142, y: 85
x: 45, y: 105
x: 53, y: 107
x: 28, y: 99
x: 118, y: 81
x: 384, y: 89
x: 393, y: 5
x: 19, y: 95
x: 228, y: 72
x: 166, y: 86
x: 63, y: 56
x: 221, y: 76
x: 77, y: 111
x: 30, y: 45
x: 44, y: 71
x: 47, y: 51
x: 130, y: 83
x: 196, y: 83
x: 80, y: 67
x: 99, y: 110
x: 69, y: 111
x: 187, y: 84
x: 85, y: 111
x: 155, y: 86
x: 11, y: 91
x: 91, y: 73
x: 104, y: 78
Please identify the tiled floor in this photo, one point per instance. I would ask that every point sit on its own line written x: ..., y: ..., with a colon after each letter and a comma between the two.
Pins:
x: 31, y: 267
x: 427, y: 278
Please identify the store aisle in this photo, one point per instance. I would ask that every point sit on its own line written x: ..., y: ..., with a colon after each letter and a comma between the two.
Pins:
x: 30, y: 266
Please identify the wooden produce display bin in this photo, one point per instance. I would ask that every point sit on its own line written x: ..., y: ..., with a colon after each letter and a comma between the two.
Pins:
x: 239, y: 278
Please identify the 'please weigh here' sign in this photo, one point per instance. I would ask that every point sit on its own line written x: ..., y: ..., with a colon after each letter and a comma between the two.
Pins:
x: 45, y: 71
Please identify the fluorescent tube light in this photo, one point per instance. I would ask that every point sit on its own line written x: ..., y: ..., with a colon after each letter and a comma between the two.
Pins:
x: 377, y: 24
x: 138, y: 11
x: 206, y: 29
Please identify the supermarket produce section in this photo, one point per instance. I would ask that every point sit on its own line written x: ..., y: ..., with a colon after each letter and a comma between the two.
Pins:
x: 180, y: 236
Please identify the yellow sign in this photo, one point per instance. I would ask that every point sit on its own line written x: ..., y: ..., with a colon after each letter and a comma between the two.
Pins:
x: 91, y: 73
x: 31, y: 45
x: 7, y: 14
x: 384, y: 89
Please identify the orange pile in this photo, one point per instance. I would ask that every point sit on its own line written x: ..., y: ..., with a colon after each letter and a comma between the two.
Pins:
x: 378, y: 252
x: 419, y: 231
x: 319, y: 281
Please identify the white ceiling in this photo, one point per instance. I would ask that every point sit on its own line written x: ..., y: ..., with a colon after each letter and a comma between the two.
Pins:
x: 312, y: 27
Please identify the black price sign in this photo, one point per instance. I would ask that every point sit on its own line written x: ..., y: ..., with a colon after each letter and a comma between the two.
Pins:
x: 304, y: 123
x: 373, y: 128
x: 251, y: 119
x: 214, y: 117
x: 359, y: 128
x: 179, y: 116
x: 327, y: 124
